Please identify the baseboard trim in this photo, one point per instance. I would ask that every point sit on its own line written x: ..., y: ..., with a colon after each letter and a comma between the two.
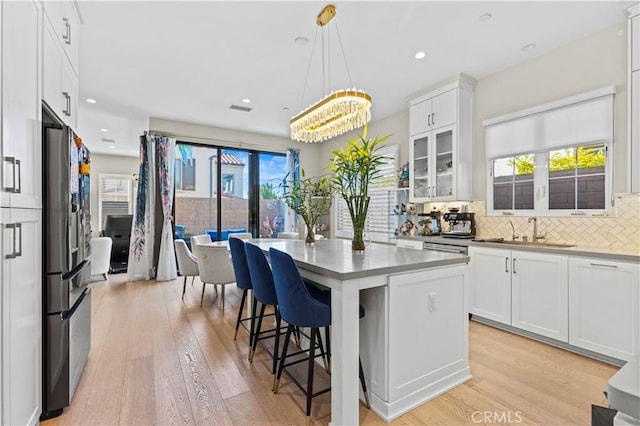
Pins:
x: 391, y: 410
x: 562, y: 345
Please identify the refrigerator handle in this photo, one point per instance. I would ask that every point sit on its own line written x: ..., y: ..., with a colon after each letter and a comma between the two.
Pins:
x: 68, y: 314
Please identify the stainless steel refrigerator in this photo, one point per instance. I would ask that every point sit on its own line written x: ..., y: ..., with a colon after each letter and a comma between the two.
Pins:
x: 66, y: 268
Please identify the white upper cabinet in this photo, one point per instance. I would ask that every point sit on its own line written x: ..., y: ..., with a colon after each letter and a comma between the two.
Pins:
x: 440, y: 145
x: 21, y: 150
x: 432, y: 113
x: 64, y: 20
x: 635, y: 42
x: 60, y: 81
x: 633, y: 105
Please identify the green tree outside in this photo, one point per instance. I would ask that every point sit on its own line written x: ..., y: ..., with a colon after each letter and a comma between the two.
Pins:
x: 267, y: 192
x: 566, y: 159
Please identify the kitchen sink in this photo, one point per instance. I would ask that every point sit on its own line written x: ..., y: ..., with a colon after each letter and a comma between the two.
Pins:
x: 525, y: 243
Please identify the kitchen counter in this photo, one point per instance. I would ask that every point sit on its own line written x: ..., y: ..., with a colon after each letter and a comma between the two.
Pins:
x: 620, y: 254
x: 413, y: 340
x: 334, y: 258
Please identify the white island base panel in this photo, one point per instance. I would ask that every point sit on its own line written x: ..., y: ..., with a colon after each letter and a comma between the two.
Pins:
x: 414, y: 338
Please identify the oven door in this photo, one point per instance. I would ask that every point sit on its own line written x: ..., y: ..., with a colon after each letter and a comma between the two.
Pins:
x: 449, y: 248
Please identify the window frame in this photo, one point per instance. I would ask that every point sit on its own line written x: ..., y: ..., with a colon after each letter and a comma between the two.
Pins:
x: 541, y: 186
x: 101, y: 176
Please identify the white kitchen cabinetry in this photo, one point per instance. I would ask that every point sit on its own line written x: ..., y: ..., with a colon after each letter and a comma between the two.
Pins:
x: 519, y: 288
x: 64, y: 20
x: 21, y: 316
x: 411, y: 244
x: 491, y: 283
x: 21, y: 152
x: 20, y: 215
x: 60, y: 89
x: 420, y: 350
x: 432, y: 113
x: 440, y: 146
x: 539, y: 294
x: 633, y: 106
x: 603, y: 306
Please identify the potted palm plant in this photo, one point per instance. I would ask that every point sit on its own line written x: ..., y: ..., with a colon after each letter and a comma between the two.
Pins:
x: 354, y: 168
x: 310, y: 198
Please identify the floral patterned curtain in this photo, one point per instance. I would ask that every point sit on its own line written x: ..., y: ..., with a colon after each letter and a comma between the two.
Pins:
x: 140, y: 265
x: 292, y: 221
x: 165, y: 150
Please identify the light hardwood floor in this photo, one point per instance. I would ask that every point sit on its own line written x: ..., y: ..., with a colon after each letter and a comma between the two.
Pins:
x: 158, y: 360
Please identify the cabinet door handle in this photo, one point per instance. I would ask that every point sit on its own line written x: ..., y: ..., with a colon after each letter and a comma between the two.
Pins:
x: 506, y: 264
x: 429, y: 120
x: 16, y: 177
x: 67, y: 36
x: 12, y: 255
x: 603, y: 265
x: 67, y: 100
x: 433, y: 118
x: 18, y: 227
x: 513, y: 267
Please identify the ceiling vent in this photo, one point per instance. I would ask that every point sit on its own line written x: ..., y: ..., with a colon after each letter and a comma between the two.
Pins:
x: 240, y: 108
x: 106, y: 140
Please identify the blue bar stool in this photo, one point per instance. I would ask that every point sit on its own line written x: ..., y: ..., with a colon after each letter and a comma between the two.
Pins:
x: 299, y: 308
x: 243, y: 281
x: 265, y: 292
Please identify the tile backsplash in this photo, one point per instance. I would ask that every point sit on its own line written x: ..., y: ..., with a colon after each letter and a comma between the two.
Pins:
x: 621, y: 230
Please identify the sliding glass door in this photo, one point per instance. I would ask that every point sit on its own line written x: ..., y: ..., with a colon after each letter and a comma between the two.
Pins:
x: 220, y: 191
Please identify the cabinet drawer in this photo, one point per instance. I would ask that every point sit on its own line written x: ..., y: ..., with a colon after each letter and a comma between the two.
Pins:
x: 412, y: 244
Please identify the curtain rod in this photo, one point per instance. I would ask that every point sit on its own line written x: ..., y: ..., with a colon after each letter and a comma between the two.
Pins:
x: 227, y: 143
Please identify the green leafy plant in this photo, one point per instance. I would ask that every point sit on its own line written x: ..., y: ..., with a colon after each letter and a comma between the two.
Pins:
x: 567, y: 159
x: 354, y: 169
x: 309, y: 197
x: 267, y: 191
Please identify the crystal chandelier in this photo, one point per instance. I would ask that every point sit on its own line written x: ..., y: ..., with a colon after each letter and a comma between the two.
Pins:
x: 336, y: 113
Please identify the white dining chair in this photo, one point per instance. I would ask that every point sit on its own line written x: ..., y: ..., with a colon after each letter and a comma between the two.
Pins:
x: 199, y: 239
x: 187, y: 263
x: 215, y: 267
x: 100, y: 256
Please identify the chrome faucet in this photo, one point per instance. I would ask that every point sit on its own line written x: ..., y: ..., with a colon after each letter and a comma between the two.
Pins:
x: 513, y: 231
x: 536, y: 237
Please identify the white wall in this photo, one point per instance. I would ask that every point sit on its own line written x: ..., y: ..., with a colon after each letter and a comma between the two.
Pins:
x: 108, y: 164
x: 595, y: 61
x: 209, y: 135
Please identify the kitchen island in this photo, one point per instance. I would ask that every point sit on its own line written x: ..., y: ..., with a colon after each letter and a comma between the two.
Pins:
x: 414, y: 338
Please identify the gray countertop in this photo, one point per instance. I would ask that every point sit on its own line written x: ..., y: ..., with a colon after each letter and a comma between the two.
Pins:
x: 625, y: 255
x: 334, y: 258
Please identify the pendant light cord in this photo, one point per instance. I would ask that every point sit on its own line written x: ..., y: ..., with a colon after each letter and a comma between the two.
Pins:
x: 306, y: 80
x: 344, y: 56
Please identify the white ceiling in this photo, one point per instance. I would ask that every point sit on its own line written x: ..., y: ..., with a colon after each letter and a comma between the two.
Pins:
x: 190, y: 61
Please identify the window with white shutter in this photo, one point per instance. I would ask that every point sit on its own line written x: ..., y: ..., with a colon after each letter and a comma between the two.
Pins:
x: 378, y: 226
x: 115, y: 196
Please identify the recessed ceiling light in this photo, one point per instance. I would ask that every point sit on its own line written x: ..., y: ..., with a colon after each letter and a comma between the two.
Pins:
x: 529, y: 47
x: 112, y: 147
x: 104, y: 130
x: 91, y: 101
x: 285, y: 108
x: 301, y: 41
x: 485, y: 17
x: 246, y: 100
x: 420, y: 55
